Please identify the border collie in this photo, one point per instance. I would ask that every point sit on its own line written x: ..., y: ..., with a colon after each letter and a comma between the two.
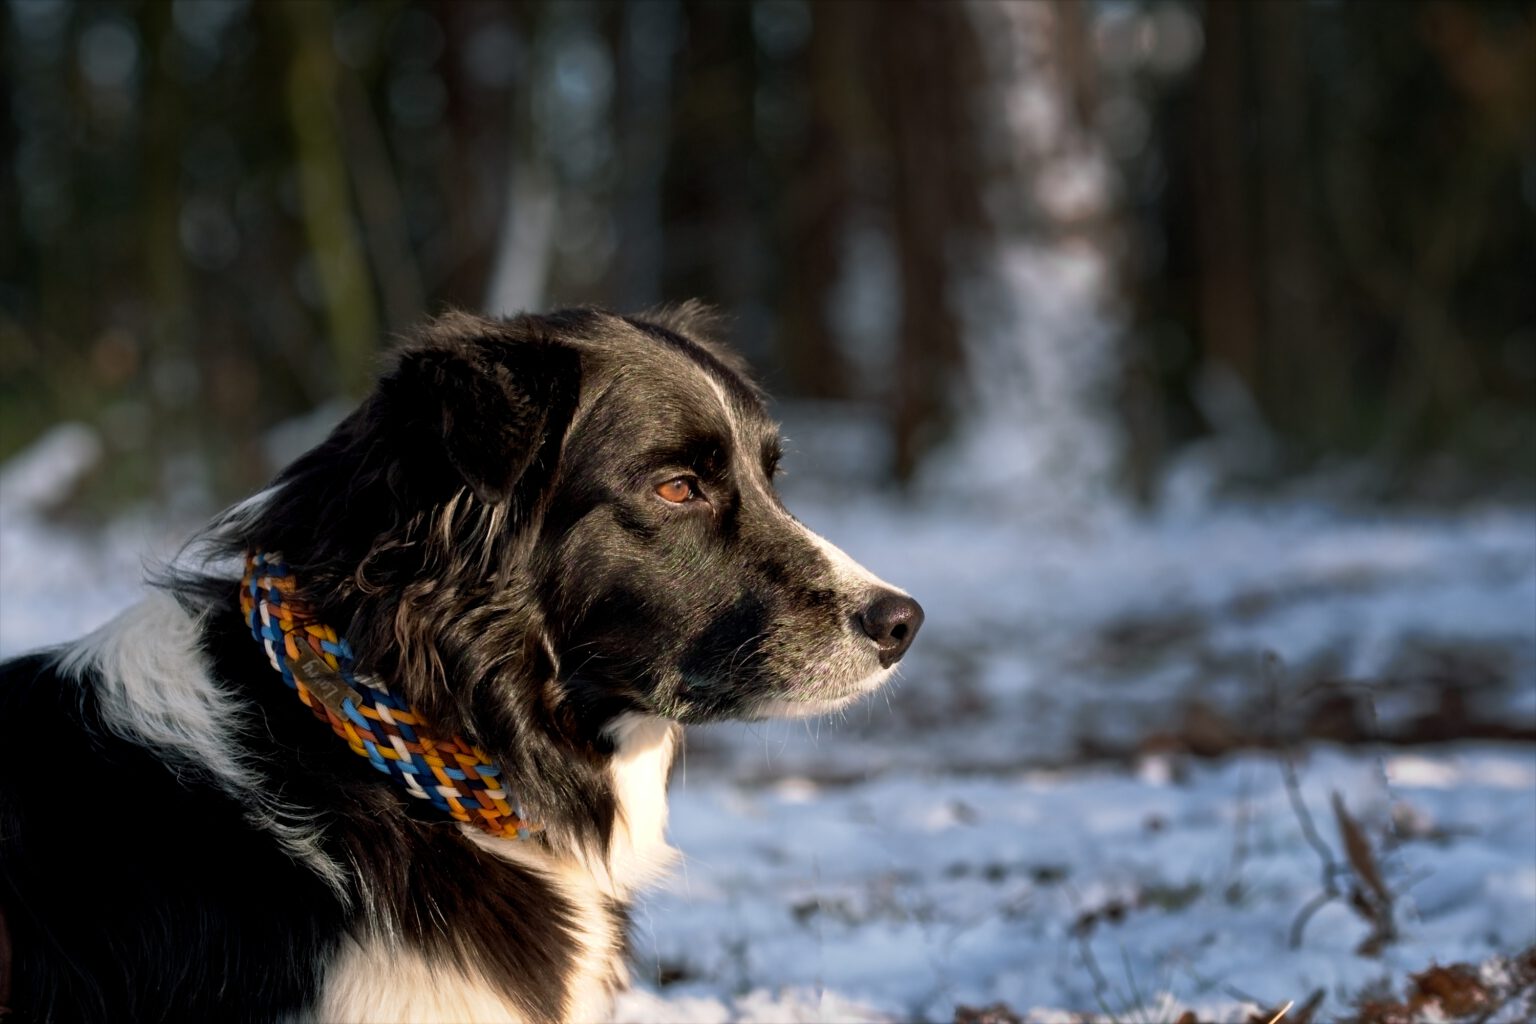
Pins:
x: 552, y: 539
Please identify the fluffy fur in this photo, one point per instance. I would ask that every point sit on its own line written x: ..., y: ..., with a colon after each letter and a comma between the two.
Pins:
x: 497, y: 531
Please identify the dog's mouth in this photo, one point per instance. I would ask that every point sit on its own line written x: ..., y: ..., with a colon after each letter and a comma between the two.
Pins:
x: 794, y: 674
x: 793, y: 653
x: 814, y: 703
x: 788, y: 672
x: 882, y: 632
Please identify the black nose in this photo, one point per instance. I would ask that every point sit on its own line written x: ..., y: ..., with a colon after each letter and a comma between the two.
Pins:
x: 891, y: 621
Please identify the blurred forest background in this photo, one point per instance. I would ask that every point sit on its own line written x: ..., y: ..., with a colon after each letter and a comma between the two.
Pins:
x: 1180, y: 355
x: 1296, y: 239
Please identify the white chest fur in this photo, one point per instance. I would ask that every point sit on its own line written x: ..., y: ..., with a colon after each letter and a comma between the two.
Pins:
x: 643, y: 752
x: 638, y: 854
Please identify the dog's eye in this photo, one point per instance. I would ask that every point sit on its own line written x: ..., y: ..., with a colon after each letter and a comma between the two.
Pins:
x: 677, y: 491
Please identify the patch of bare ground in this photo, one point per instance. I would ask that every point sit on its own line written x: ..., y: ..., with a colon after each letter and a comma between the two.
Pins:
x: 996, y: 1013
x: 1499, y: 989
x: 1457, y: 687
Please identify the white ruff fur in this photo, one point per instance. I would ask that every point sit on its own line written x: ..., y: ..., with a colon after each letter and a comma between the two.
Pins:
x: 155, y: 689
x: 371, y: 983
x: 643, y: 750
x: 638, y: 853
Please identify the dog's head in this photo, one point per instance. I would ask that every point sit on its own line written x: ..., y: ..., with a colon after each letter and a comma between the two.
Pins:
x: 585, y: 503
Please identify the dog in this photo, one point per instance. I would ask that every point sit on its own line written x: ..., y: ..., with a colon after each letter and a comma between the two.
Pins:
x: 539, y: 548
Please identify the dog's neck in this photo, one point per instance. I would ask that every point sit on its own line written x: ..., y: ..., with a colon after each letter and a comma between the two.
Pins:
x: 636, y: 851
x: 644, y: 747
x: 631, y: 778
x: 448, y: 771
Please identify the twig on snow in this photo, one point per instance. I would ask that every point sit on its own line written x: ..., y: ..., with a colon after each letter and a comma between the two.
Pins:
x: 1273, y: 668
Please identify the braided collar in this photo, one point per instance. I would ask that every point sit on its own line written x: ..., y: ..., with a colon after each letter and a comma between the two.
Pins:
x: 452, y: 774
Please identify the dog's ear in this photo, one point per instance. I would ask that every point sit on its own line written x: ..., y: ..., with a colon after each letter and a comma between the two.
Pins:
x: 493, y: 399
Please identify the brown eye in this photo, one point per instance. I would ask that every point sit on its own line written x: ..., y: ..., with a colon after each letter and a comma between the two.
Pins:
x: 676, y: 491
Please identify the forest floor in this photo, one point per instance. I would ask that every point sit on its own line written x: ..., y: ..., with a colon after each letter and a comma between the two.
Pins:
x: 1208, y: 762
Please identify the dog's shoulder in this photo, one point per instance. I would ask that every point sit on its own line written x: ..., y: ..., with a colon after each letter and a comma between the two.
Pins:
x: 132, y: 879
x: 179, y: 838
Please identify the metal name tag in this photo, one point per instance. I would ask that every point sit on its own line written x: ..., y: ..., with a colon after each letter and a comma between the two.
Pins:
x: 326, y: 683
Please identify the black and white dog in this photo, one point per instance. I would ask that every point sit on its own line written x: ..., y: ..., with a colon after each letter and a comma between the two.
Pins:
x: 557, y: 535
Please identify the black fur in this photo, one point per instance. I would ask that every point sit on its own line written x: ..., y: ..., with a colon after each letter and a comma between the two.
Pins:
x: 109, y: 926
x: 486, y: 530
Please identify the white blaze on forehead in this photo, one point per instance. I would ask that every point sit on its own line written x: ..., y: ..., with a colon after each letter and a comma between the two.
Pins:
x: 725, y: 402
x: 733, y: 416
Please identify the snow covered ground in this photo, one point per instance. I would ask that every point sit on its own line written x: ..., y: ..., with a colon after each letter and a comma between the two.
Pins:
x: 1026, y: 815
x: 1125, y: 895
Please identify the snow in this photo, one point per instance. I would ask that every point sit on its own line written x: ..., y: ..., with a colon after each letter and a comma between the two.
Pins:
x: 901, y: 896
x: 55, y: 583
x: 1018, y: 818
